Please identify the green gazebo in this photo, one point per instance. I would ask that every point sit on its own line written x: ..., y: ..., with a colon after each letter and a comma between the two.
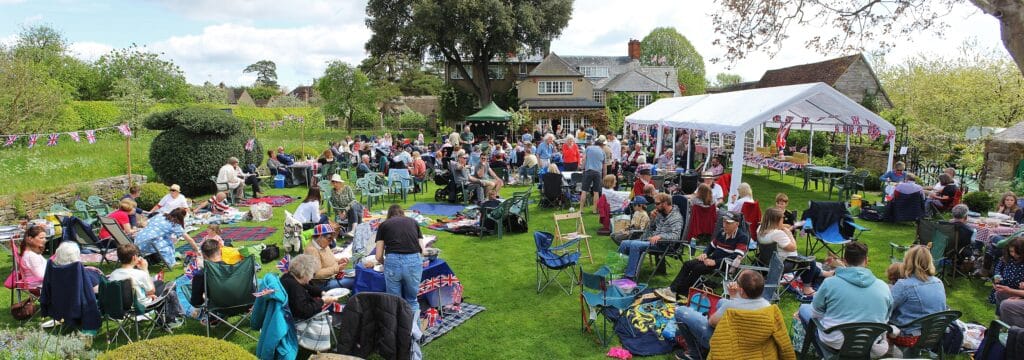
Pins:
x: 491, y: 121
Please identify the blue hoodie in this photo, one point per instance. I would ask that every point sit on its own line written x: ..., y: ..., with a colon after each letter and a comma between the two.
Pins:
x: 854, y: 294
x: 270, y: 316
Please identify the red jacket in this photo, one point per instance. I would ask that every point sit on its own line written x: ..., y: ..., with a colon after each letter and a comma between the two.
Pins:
x: 570, y: 153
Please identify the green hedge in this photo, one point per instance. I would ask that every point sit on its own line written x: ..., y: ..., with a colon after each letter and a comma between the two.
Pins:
x: 94, y: 114
x: 151, y: 194
x: 177, y: 347
x: 979, y: 201
x: 84, y: 115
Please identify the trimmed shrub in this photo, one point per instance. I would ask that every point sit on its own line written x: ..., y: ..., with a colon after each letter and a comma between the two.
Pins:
x: 151, y: 193
x: 872, y: 183
x: 300, y: 153
x: 33, y: 343
x: 175, y: 347
x: 195, y: 143
x: 96, y: 114
x: 979, y: 201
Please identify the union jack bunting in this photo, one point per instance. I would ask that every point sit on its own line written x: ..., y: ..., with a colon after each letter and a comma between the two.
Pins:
x: 856, y: 120
x: 776, y: 118
x: 91, y: 136
x: 74, y: 136
x: 250, y: 144
x: 32, y: 140
x: 890, y: 136
x: 860, y: 130
x: 125, y: 130
x: 283, y: 264
x: 52, y: 139
x: 873, y: 132
x: 837, y: 128
x: 10, y: 140
x: 789, y: 119
x: 804, y: 120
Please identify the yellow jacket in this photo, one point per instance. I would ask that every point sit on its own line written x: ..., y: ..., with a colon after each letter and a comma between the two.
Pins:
x: 751, y: 334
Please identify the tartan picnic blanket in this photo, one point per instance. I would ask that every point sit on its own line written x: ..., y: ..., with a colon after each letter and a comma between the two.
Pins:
x: 449, y: 321
x: 275, y: 200
x: 244, y: 233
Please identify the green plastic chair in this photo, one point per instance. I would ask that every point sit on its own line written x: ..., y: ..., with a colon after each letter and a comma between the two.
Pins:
x: 118, y: 303
x: 857, y: 340
x: 521, y: 204
x: 500, y: 216
x: 99, y: 206
x: 325, y: 195
x: 933, y: 328
x: 371, y: 186
x: 232, y: 293
x: 84, y: 212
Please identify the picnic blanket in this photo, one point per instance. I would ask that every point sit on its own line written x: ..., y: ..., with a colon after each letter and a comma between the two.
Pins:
x: 437, y: 209
x: 244, y: 233
x: 274, y: 200
x: 450, y: 321
x: 90, y: 258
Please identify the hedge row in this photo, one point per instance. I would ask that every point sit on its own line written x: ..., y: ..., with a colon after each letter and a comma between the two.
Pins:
x: 83, y: 115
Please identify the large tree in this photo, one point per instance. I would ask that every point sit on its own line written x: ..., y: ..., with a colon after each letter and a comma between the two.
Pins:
x: 47, y: 47
x: 31, y: 99
x: 346, y: 92
x: 666, y: 46
x: 756, y: 25
x: 266, y: 73
x: 408, y: 73
x: 162, y: 78
x: 467, y: 34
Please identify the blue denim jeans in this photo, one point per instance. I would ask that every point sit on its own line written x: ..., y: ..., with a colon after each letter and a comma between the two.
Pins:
x: 347, y: 283
x: 402, y: 276
x: 697, y: 326
x: 635, y: 250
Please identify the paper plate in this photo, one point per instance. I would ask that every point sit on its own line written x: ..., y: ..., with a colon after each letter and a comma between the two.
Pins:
x: 339, y: 292
x: 350, y: 273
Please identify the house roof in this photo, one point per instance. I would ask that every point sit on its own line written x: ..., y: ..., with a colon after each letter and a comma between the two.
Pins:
x: 827, y: 71
x: 635, y: 81
x: 1013, y: 134
x: 542, y: 104
x: 618, y: 65
x: 553, y: 65
x: 234, y: 94
x: 301, y: 89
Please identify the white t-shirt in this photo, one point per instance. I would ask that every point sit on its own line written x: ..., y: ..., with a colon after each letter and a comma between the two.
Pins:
x: 228, y: 175
x: 140, y: 281
x: 717, y: 193
x: 738, y: 205
x: 780, y: 237
x: 168, y: 203
x: 308, y: 212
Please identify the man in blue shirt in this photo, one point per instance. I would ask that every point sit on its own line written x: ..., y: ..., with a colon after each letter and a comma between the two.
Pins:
x: 285, y: 159
x: 545, y: 150
x: 593, y: 171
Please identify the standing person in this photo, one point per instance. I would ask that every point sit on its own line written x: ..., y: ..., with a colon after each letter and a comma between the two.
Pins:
x: 399, y: 238
x: 545, y: 150
x: 467, y: 138
x: 682, y: 148
x: 173, y: 200
x: 308, y: 212
x: 616, y: 147
x: 593, y: 171
x: 854, y: 294
x: 570, y: 154
x: 159, y: 236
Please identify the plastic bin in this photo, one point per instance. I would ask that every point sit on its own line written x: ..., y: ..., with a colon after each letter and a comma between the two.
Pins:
x: 279, y: 181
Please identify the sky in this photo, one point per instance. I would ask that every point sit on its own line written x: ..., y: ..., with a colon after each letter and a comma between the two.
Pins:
x: 213, y: 40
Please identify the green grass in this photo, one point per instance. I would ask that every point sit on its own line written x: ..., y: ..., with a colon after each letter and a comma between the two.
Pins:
x: 519, y: 323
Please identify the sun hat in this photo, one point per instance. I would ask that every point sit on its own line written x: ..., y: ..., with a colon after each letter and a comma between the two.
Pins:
x: 336, y: 178
x: 175, y: 187
x: 322, y: 229
x: 707, y: 175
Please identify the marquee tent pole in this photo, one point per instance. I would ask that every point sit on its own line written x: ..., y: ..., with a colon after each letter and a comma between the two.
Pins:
x: 737, y: 161
x: 810, y: 153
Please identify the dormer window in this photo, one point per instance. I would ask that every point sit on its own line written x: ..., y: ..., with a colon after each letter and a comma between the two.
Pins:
x: 594, y: 71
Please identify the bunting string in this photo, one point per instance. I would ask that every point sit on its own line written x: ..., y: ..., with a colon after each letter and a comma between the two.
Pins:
x: 52, y: 139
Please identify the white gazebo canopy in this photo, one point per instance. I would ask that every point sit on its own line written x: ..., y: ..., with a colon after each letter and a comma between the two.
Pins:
x: 811, y: 107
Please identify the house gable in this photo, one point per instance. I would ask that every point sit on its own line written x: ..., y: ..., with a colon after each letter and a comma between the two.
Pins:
x: 553, y: 65
x: 634, y: 81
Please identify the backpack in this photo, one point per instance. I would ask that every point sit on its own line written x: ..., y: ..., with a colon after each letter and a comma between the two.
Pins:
x: 516, y: 224
x: 870, y: 213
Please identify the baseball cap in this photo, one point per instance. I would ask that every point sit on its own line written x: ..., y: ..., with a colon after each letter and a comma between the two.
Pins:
x: 644, y: 172
x: 336, y: 178
x: 732, y: 217
x: 175, y: 187
x: 639, y: 200
x: 322, y: 229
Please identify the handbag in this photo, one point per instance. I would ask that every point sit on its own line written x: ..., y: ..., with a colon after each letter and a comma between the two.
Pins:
x: 24, y: 309
x: 315, y: 333
x: 703, y: 301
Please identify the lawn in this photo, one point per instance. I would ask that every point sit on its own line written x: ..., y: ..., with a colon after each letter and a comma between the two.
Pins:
x: 519, y: 323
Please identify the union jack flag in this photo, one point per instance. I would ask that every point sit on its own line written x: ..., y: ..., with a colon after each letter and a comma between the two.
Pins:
x: 250, y: 144
x: 449, y: 280
x: 432, y: 317
x: 283, y: 264
x: 191, y: 269
x: 74, y: 136
x: 333, y: 307
x: 52, y: 139
x: 32, y: 140
x: 776, y: 118
x: 10, y: 140
x: 125, y: 130
x: 91, y: 136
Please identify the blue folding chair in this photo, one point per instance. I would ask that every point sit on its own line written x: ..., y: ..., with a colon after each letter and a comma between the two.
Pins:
x: 597, y: 295
x: 831, y: 238
x: 555, y: 260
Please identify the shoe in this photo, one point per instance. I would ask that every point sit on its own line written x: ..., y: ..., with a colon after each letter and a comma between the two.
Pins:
x: 49, y: 324
x: 683, y: 354
x: 177, y: 323
x: 666, y: 294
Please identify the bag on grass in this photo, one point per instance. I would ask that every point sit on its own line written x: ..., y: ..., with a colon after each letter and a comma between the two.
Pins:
x: 23, y: 309
x: 315, y: 333
x: 261, y: 212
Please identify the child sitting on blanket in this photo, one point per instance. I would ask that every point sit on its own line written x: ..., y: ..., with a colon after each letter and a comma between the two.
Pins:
x: 639, y: 221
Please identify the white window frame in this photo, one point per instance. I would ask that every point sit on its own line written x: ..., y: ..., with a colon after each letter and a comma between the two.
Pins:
x: 584, y: 123
x: 643, y: 100
x: 456, y: 75
x: 599, y: 96
x: 522, y: 68
x: 594, y: 71
x: 545, y: 124
x: 493, y: 70
x: 554, y: 87
x: 568, y: 124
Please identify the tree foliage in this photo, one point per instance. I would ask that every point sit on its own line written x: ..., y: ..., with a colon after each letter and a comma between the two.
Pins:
x: 45, y: 46
x: 346, y: 92
x: 746, y: 26
x: 31, y: 99
x: 618, y: 106
x: 465, y: 33
x: 162, y: 78
x: 666, y: 46
x: 263, y: 92
x: 726, y: 79
x: 408, y: 73
x: 132, y: 99
x: 208, y: 93
x: 266, y: 73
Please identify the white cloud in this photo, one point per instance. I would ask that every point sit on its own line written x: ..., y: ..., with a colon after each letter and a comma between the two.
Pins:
x: 88, y: 50
x: 220, y: 52
x: 244, y: 11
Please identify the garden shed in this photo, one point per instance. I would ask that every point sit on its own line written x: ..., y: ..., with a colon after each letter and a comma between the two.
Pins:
x: 1003, y: 154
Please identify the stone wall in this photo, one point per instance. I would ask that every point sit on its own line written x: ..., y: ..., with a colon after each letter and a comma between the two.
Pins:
x: 858, y: 81
x: 1001, y: 159
x: 32, y: 203
x: 863, y: 157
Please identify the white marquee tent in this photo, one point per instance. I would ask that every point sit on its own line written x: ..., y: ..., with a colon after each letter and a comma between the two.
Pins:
x: 811, y: 107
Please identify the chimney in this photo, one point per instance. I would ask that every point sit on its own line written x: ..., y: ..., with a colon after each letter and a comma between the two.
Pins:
x: 634, y: 49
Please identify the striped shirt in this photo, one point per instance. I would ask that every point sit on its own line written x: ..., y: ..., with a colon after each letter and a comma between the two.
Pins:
x: 217, y: 207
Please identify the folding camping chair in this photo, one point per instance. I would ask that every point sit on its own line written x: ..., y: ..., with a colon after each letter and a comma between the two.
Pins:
x: 832, y: 237
x: 597, y: 293
x: 56, y: 292
x: 670, y: 248
x: 552, y: 191
x: 18, y: 282
x: 558, y: 259
x: 703, y: 221
x: 77, y: 231
x: 233, y: 287
x: 752, y: 214
x: 118, y: 303
x: 116, y: 233
x: 857, y: 340
x: 580, y: 233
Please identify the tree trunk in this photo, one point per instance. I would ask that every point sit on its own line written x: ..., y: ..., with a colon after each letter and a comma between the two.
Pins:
x: 348, y: 125
x: 1011, y: 25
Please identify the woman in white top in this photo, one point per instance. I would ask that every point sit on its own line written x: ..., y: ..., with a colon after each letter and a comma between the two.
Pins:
x: 173, y: 200
x: 32, y: 262
x: 746, y: 194
x: 308, y: 212
x: 774, y: 231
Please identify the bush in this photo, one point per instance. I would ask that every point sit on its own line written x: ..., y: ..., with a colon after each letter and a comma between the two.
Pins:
x: 94, y: 114
x: 151, y: 194
x: 31, y: 343
x: 300, y: 153
x: 872, y: 183
x: 176, y: 347
x: 979, y: 201
x: 412, y: 120
x: 194, y: 144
